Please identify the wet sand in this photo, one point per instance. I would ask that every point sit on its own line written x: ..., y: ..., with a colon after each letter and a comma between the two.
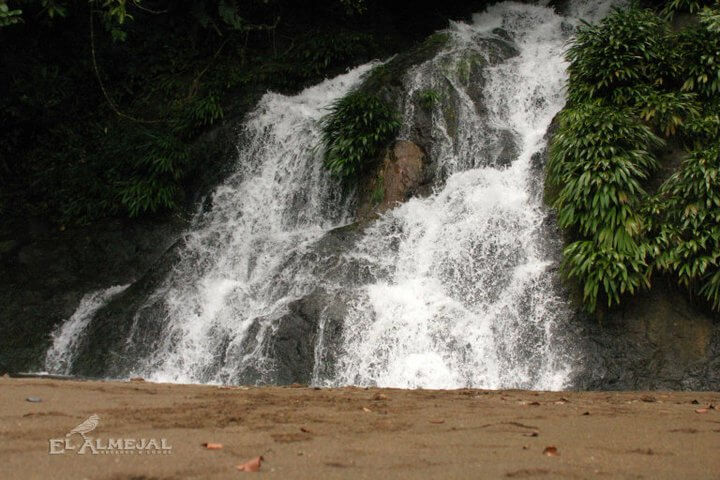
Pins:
x: 355, y: 433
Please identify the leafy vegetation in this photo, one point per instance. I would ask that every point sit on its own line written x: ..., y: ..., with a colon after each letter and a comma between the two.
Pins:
x: 699, y: 51
x: 632, y: 81
x: 691, y: 6
x: 428, y: 98
x: 355, y: 130
x: 627, y: 48
x: 599, y: 159
x: 688, y: 241
x: 7, y: 16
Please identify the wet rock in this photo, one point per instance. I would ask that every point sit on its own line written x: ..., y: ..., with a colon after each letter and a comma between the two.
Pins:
x: 508, y: 149
x: 560, y: 6
x: 289, y: 353
x: 658, y: 340
x: 104, y: 349
x: 499, y: 49
x: 329, y: 261
x: 47, y: 272
x: 398, y: 178
x: 402, y: 173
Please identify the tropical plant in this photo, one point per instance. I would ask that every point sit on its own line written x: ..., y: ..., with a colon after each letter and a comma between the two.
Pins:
x: 710, y: 17
x: 599, y: 157
x: 150, y: 166
x: 630, y: 79
x: 702, y: 129
x: 674, y: 6
x: 667, y: 111
x: 8, y: 16
x: 688, y: 241
x: 317, y: 52
x: 598, y: 160
x: 606, y: 271
x: 628, y: 47
x: 699, y: 48
x: 357, y: 127
x: 428, y: 98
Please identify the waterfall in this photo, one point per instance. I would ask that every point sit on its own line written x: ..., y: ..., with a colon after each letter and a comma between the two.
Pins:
x: 457, y: 287
x: 470, y: 300
x: 239, y: 262
x: 66, y: 337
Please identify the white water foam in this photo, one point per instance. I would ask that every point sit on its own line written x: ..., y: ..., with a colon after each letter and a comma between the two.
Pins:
x: 470, y: 302
x: 237, y: 264
x: 66, y: 337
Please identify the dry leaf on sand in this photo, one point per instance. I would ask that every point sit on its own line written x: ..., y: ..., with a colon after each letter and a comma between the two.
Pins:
x: 251, y: 465
x: 551, y: 451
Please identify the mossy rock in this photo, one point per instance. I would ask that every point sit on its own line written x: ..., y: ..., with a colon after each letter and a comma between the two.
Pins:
x: 387, y: 80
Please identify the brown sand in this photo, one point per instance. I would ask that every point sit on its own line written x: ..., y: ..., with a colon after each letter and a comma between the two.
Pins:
x: 357, y: 433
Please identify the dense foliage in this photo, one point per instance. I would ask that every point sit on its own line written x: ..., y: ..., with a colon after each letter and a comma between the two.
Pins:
x: 122, y: 148
x: 357, y: 127
x: 626, y: 49
x: 672, y: 7
x: 633, y: 80
x: 687, y: 242
x: 600, y: 159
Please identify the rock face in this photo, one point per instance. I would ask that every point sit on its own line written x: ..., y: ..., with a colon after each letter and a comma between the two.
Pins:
x: 45, y: 273
x: 659, y: 340
x: 304, y: 339
x: 402, y: 173
x: 398, y: 178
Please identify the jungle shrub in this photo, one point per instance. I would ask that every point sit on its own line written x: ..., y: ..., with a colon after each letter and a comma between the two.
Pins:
x: 354, y: 132
x: 699, y: 48
x: 688, y: 242
x: 628, y: 47
x: 691, y: 6
x: 632, y: 80
x: 598, y: 161
x: 428, y: 98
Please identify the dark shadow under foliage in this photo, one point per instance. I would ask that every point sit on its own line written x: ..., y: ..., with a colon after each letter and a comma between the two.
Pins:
x: 83, y: 138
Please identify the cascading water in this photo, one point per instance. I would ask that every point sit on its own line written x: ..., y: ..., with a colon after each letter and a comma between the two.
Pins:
x: 470, y: 300
x: 239, y: 263
x: 65, y: 339
x: 459, y: 291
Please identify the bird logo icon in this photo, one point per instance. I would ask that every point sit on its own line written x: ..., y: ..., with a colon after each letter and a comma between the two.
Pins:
x: 86, y: 427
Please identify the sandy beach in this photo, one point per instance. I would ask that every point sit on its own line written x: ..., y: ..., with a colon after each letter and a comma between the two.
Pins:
x: 352, y: 433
